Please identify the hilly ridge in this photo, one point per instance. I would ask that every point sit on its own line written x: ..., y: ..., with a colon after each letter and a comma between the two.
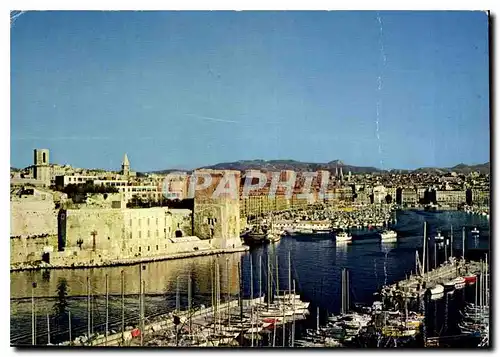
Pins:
x: 277, y: 165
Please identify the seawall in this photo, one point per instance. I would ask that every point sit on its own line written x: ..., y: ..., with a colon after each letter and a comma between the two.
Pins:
x: 129, y: 261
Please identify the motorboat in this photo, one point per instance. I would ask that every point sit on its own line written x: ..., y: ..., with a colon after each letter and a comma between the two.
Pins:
x: 470, y: 279
x: 343, y: 237
x: 438, y: 289
x: 449, y: 285
x: 459, y: 283
x: 388, y: 236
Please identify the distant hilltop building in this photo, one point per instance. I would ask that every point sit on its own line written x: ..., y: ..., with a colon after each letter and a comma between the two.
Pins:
x: 39, y: 174
x: 126, y: 168
x: 41, y: 166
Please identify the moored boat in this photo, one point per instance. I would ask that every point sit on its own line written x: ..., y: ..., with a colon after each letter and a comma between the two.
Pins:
x: 459, y: 282
x: 438, y: 289
x: 470, y: 279
x: 388, y: 236
x: 343, y: 237
x: 449, y: 285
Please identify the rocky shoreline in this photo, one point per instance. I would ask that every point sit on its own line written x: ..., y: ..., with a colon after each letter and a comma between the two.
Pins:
x: 132, y: 261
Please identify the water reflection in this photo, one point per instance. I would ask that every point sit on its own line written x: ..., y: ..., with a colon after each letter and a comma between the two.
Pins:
x: 159, y: 277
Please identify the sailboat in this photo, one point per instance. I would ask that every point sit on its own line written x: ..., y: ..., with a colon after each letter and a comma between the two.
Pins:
x: 256, y: 236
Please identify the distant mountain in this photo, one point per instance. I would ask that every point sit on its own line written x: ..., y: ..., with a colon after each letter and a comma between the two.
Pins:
x: 460, y: 168
x: 167, y: 171
x: 463, y: 168
x: 277, y: 165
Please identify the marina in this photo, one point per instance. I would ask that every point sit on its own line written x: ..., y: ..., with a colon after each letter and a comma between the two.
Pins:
x: 389, y: 265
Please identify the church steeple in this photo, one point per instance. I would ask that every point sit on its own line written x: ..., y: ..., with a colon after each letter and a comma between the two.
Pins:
x: 125, y: 166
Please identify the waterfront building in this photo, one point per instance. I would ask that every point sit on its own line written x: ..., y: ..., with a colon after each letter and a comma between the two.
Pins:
x: 481, y: 197
x: 448, y: 197
x: 379, y: 193
x: 409, y: 196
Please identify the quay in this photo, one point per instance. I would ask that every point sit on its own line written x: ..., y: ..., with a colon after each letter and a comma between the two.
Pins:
x: 417, y: 284
x: 129, y: 261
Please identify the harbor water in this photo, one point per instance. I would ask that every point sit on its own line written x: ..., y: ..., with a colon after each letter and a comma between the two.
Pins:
x: 316, y: 265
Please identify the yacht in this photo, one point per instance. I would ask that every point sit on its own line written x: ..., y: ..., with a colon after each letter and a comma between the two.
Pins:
x: 343, y: 237
x: 449, y: 285
x: 459, y: 283
x: 437, y: 290
x: 470, y: 279
x: 321, y: 231
x: 388, y: 236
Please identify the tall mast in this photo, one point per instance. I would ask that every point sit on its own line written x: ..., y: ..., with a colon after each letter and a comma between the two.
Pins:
x: 123, y: 305
x: 486, y: 298
x: 425, y: 245
x: 342, y: 309
x: 293, y: 316
x: 268, y: 280
x: 416, y: 262
x: 251, y: 296
x: 260, y: 277
x: 451, y: 242
x: 347, y: 289
x: 463, y: 243
x: 475, y: 299
x: 228, y: 291
x: 289, y: 275
x: 284, y: 325
x: 239, y: 292
x: 435, y: 256
x: 88, y: 308
x: 251, y: 280
x: 277, y: 278
x: 445, y: 249
x: 107, y: 314
x: 317, y: 319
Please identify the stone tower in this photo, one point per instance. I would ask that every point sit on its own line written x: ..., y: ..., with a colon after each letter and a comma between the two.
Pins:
x: 41, y: 169
x: 125, y: 166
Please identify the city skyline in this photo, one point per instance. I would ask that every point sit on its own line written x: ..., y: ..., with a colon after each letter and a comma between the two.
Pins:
x: 191, y: 89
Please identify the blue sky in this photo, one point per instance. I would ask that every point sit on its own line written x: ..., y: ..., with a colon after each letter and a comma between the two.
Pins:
x: 187, y: 89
